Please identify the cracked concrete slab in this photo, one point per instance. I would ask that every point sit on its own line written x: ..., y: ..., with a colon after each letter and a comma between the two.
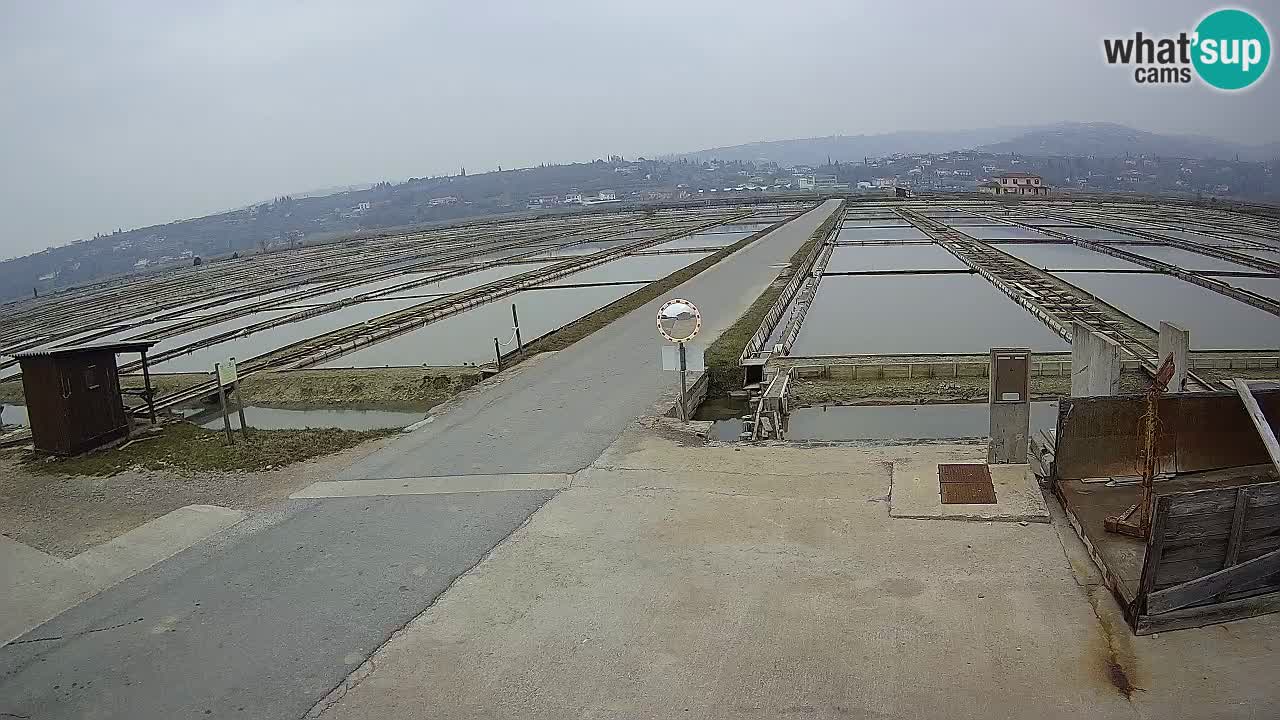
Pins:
x: 915, y: 495
x: 435, y: 485
x: 260, y: 621
x: 720, y: 582
x: 39, y: 586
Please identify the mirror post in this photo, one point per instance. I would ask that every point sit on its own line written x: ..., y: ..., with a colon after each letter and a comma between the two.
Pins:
x: 684, y: 388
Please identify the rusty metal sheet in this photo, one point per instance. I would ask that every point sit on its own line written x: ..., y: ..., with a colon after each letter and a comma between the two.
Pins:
x: 967, y: 493
x: 1101, y: 436
x: 964, y: 472
x: 965, y: 484
x: 1216, y: 432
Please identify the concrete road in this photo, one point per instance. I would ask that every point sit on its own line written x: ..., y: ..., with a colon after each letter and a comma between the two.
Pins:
x: 260, y: 623
x: 560, y: 415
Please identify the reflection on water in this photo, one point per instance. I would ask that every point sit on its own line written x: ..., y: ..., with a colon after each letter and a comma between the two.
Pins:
x: 727, y: 414
x: 267, y: 418
x: 468, y: 336
x: 904, y: 422
x: 917, y: 314
x: 880, y: 233
x: 862, y: 258
x: 14, y: 415
x: 1216, y: 321
x: 1063, y: 256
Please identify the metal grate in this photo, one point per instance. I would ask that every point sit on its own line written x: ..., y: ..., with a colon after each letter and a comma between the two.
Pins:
x: 965, y: 484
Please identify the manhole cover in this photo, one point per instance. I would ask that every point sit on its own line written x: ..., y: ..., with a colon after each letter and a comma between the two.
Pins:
x: 964, y: 473
x: 966, y: 485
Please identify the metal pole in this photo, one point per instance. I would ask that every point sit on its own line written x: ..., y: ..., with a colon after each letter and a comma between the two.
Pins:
x: 222, y: 402
x: 497, y: 353
x: 684, y: 410
x: 515, y: 320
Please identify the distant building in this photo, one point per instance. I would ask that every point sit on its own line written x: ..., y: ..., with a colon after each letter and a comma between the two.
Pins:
x: 543, y: 201
x: 819, y: 183
x: 446, y: 200
x: 1018, y: 183
x: 604, y: 196
x: 828, y: 182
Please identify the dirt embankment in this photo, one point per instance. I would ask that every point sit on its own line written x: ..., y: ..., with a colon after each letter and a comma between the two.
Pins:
x: 877, y: 391
x: 67, y: 506
x: 408, y: 388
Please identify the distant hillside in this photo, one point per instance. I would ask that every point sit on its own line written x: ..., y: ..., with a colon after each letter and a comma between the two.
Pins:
x: 1060, y: 139
x: 848, y: 148
x: 286, y: 220
x: 1111, y: 140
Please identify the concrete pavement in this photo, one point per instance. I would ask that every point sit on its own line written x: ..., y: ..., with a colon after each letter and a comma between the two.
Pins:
x: 262, y: 621
x: 560, y: 415
x: 711, y: 582
x: 38, y: 586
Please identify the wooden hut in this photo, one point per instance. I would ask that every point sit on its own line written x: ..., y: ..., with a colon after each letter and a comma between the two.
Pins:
x: 74, y: 400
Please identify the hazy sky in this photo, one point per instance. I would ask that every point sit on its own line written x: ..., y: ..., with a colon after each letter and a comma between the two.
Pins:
x: 122, y: 114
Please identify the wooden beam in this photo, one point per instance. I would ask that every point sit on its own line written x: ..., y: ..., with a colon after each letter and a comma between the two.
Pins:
x: 1259, y: 420
x: 1155, y: 549
x: 1202, y: 589
x: 1237, y: 532
x: 1237, y: 528
x: 1208, y: 614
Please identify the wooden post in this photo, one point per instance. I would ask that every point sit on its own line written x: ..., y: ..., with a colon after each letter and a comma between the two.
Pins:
x: 235, y: 392
x: 146, y: 384
x: 684, y: 389
x: 222, y: 402
x: 515, y: 321
x: 1259, y: 420
x: 497, y: 353
x: 1175, y: 340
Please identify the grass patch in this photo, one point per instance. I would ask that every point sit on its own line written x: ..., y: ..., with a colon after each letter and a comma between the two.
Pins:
x: 187, y: 449
x: 722, y: 355
x: 417, y: 388
x: 11, y: 392
x: 575, y: 331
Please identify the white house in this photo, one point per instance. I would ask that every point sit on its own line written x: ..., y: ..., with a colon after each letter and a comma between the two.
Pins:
x: 1016, y: 183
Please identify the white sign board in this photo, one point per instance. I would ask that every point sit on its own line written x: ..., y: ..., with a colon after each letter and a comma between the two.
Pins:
x: 693, y: 359
x: 227, y: 371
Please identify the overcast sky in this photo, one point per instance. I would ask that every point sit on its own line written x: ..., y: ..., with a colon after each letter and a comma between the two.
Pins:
x: 123, y: 114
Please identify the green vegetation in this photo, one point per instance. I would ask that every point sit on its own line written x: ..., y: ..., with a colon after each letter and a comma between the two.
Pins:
x: 891, y: 390
x: 418, y: 388
x: 408, y: 388
x: 722, y: 355
x: 575, y: 331
x: 11, y: 392
x: 186, y: 449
